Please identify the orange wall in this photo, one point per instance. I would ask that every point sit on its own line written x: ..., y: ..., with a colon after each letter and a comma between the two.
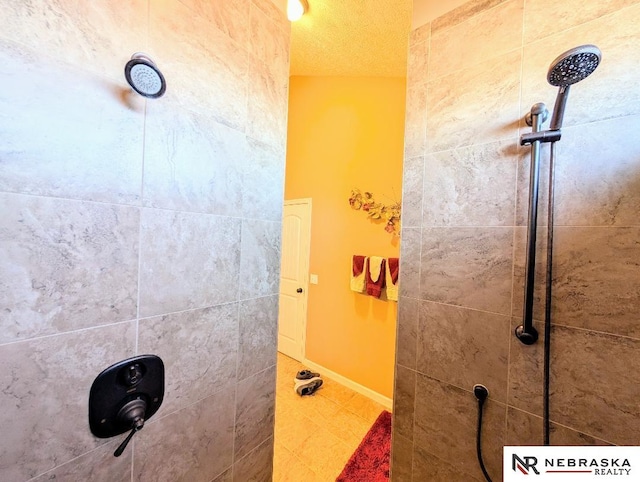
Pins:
x: 345, y: 133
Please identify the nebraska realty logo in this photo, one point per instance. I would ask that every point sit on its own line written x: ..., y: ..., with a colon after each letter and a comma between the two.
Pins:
x: 571, y: 463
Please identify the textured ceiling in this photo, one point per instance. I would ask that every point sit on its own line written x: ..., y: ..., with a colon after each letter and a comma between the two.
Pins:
x: 352, y: 38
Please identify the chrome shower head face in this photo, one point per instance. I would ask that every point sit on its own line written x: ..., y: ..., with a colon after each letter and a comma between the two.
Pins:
x: 574, y: 65
x: 143, y: 76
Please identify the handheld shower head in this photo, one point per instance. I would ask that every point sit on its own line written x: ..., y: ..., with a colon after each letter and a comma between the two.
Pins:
x: 143, y: 76
x: 569, y: 68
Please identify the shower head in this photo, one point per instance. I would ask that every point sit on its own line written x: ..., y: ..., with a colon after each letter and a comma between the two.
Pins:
x: 144, y: 77
x: 569, y: 68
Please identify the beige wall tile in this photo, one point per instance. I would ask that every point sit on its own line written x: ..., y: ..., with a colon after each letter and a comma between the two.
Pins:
x: 598, y: 174
x: 404, y: 402
x: 547, y: 17
x: 230, y: 16
x: 412, y: 187
x: 410, y: 263
x: 476, y: 105
x: 429, y: 467
x: 191, y: 162
x: 401, y: 459
x: 445, y: 426
x: 192, y: 444
x: 471, y: 186
x: 187, y: 261
x: 65, y: 265
x: 415, y: 136
x: 468, y: 267
x: 407, y: 338
x: 92, y: 152
x: 207, y: 366
x: 476, y: 343
x: 98, y: 36
x: 595, y: 378
x: 596, y: 279
x: 463, y: 12
x: 418, y: 61
x: 606, y: 93
x: 205, y: 70
x: 488, y: 34
x: 42, y: 425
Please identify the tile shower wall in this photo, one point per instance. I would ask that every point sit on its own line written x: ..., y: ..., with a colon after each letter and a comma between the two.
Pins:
x: 473, y: 74
x: 130, y: 226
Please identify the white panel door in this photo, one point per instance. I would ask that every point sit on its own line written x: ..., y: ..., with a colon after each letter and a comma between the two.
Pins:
x: 294, y: 274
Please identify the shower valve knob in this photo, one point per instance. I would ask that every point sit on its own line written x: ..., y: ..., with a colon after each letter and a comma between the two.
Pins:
x: 131, y: 414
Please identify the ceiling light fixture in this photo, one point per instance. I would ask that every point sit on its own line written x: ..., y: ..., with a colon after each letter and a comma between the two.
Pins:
x: 296, y: 9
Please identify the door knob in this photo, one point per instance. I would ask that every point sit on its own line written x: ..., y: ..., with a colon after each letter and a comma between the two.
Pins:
x: 299, y: 290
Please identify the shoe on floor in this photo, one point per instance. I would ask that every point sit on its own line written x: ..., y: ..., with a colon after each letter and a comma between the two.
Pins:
x: 308, y: 388
x: 305, y: 375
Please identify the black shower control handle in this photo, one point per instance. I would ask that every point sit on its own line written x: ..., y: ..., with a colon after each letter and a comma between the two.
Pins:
x: 131, y: 414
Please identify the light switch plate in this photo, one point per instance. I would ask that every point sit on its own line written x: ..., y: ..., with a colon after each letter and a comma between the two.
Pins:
x: 313, y: 279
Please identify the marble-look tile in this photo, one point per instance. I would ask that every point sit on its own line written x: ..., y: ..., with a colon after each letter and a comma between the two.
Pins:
x: 407, y: 333
x: 187, y: 261
x: 97, y: 466
x: 226, y: 476
x: 260, y: 258
x: 194, y: 444
x: 476, y: 343
x: 44, y: 423
x: 403, y: 402
x: 191, y: 162
x: 67, y: 133
x: 230, y: 17
x: 471, y: 186
x: 263, y: 175
x: 468, y: 267
x: 418, y: 62
x: 598, y: 174
x: 545, y: 17
x: 256, y: 466
x: 269, y: 43
x: 98, y: 36
x: 401, y: 458
x: 606, y: 93
x: 420, y: 34
x: 464, y: 12
x: 255, y: 411
x: 415, y: 133
x: 65, y: 265
x: 199, y: 350
x: 488, y: 34
x: 526, y: 370
x: 446, y: 423
x: 594, y: 381
x: 412, y: 187
x: 258, y: 319
x: 597, y: 279
x: 267, y: 109
x: 275, y: 14
x: 206, y: 71
x: 526, y: 429
x: 458, y: 104
x: 428, y: 467
x: 410, y: 263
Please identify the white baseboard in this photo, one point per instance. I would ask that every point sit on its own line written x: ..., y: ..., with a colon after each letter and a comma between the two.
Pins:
x: 356, y: 387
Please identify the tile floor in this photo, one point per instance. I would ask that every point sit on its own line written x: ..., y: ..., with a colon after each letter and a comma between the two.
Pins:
x: 315, y: 435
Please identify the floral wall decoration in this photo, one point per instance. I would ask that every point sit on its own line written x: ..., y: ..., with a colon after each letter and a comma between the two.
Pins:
x: 377, y: 211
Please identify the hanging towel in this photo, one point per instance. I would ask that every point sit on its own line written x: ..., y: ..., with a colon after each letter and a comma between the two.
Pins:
x: 358, y: 268
x: 392, y: 278
x: 375, y: 276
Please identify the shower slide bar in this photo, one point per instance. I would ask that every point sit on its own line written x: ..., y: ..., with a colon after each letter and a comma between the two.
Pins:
x: 526, y: 332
